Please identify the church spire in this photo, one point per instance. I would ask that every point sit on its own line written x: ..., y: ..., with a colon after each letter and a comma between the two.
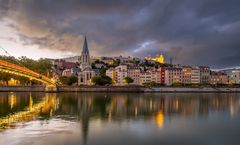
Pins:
x: 85, y: 61
x: 85, y: 47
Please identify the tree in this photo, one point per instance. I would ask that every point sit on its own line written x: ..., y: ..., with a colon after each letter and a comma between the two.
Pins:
x: 44, y: 66
x: 103, y: 72
x: 128, y: 80
x: 63, y: 80
x: 101, y: 80
x: 68, y: 80
x: 72, y: 80
x: 153, y: 84
x: 116, y: 62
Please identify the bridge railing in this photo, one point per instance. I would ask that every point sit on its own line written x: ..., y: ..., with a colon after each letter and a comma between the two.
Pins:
x: 24, y: 70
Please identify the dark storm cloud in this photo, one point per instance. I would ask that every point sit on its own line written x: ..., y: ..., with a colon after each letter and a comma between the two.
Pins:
x: 202, y: 32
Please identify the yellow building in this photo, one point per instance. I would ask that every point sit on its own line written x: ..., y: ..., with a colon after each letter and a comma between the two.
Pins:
x: 159, y: 59
x: 112, y: 74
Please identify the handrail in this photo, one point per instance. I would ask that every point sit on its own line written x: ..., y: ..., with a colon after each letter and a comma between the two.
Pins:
x: 25, y: 70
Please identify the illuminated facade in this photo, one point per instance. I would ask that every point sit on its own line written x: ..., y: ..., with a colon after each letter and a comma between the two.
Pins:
x: 234, y: 77
x: 157, y: 75
x: 173, y: 75
x: 159, y: 59
x: 187, y: 75
x: 218, y: 78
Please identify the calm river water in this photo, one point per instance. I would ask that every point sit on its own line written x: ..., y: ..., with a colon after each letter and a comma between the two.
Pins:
x: 117, y: 119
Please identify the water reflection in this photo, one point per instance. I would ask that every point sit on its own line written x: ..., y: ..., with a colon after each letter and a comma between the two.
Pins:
x: 84, y: 107
x: 25, y: 108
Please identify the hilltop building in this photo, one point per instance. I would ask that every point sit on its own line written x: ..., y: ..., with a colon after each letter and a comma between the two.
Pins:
x: 159, y: 59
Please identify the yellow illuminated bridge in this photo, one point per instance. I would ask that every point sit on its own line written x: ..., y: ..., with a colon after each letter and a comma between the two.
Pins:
x: 25, y: 72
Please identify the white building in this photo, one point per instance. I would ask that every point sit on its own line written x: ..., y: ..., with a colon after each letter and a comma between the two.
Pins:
x: 234, y: 77
x: 121, y: 73
x: 195, y: 77
x: 84, y: 77
x: 145, y: 77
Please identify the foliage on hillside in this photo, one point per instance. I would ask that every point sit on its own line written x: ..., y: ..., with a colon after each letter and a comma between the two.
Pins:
x: 42, y: 66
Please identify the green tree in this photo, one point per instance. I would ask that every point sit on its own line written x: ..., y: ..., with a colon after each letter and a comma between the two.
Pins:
x: 116, y: 62
x: 103, y: 71
x: 153, y: 84
x: 72, y: 80
x: 101, y: 80
x: 68, y: 80
x: 128, y: 80
x: 44, y: 66
x: 63, y: 80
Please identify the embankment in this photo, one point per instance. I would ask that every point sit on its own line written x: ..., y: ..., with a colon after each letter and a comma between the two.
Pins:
x: 119, y: 89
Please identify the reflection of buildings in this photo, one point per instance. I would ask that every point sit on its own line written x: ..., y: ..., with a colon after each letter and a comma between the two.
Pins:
x: 113, y: 107
x: 85, y: 107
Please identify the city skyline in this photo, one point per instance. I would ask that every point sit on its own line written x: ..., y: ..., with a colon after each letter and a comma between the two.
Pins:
x: 197, y: 33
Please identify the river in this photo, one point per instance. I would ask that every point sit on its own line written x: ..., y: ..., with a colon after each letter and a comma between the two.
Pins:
x: 119, y: 118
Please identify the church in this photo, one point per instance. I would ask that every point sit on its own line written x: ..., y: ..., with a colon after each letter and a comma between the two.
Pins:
x: 86, y: 72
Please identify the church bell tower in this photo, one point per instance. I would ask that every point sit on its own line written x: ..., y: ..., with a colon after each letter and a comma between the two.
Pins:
x: 85, y: 56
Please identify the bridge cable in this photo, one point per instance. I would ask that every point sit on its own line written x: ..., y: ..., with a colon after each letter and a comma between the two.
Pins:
x: 16, y: 59
x: 12, y: 56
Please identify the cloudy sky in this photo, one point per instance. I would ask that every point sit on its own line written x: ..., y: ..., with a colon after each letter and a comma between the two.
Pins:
x: 195, y: 32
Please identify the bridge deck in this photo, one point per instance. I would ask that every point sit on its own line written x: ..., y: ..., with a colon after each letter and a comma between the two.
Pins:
x: 25, y: 71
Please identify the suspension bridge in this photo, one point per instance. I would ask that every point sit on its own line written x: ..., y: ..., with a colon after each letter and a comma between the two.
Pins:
x: 18, y: 70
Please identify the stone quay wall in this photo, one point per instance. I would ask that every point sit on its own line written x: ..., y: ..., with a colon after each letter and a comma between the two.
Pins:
x: 134, y: 89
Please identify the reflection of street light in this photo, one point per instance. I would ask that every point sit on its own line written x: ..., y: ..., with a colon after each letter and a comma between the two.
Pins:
x: 160, y: 119
x: 12, y: 100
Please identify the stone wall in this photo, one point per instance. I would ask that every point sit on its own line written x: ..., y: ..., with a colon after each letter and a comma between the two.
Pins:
x: 117, y: 89
x: 191, y: 90
x: 100, y: 89
x: 22, y: 88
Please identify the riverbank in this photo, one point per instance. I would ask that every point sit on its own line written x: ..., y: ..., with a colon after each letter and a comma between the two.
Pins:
x: 136, y: 89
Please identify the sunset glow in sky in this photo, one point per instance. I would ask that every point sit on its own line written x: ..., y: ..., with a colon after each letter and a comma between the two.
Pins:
x: 202, y: 32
